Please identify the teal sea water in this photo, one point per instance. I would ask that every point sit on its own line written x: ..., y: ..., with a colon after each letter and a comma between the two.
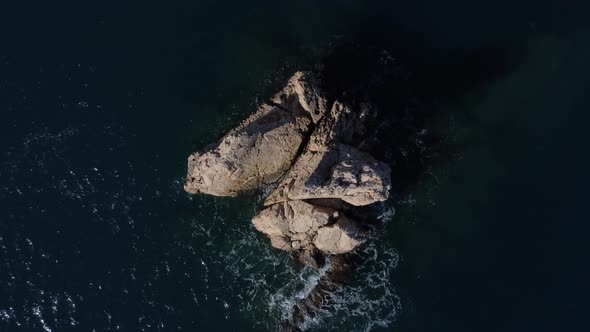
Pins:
x: 101, y: 104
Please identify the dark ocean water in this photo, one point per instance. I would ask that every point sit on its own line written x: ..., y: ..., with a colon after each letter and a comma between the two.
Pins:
x: 101, y: 104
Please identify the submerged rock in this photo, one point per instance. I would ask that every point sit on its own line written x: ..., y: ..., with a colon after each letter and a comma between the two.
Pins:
x: 310, y: 151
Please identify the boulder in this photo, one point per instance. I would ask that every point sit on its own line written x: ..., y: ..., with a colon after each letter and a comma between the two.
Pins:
x: 339, y: 238
x: 336, y: 172
x: 297, y: 225
x: 261, y: 149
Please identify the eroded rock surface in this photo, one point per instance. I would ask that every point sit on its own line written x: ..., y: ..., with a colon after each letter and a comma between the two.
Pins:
x: 336, y: 172
x: 311, y: 151
x: 261, y: 149
x: 240, y: 162
x: 297, y: 225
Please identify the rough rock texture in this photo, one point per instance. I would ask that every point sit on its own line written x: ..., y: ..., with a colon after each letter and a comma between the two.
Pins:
x: 241, y: 160
x: 329, y: 168
x: 339, y: 238
x: 340, y: 172
x: 306, y: 87
x: 342, y: 124
x: 311, y: 152
x: 297, y: 225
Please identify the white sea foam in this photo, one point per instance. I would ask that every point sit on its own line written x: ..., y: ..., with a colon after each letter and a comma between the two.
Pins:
x: 296, y: 290
x: 369, y: 300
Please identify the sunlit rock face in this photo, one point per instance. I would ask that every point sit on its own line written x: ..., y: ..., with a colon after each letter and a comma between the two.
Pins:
x: 261, y: 149
x: 310, y: 150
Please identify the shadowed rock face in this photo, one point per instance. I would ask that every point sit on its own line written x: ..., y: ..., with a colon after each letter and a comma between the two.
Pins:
x: 240, y: 160
x: 311, y: 152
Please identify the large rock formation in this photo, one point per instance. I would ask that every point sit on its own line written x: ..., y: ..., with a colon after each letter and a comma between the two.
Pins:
x: 312, y: 154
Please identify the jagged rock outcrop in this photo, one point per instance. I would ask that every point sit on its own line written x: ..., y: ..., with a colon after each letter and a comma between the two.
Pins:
x: 240, y: 162
x: 306, y: 88
x: 261, y: 149
x: 311, y: 152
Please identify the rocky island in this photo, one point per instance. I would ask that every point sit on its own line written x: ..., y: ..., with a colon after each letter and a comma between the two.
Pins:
x: 310, y: 154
